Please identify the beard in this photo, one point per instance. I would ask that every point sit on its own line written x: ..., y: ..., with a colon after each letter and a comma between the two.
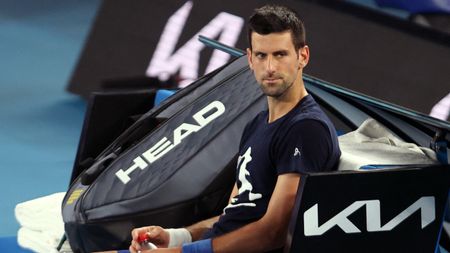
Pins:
x: 276, y: 89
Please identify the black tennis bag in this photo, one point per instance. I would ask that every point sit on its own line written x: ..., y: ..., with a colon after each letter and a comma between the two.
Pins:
x: 172, y: 167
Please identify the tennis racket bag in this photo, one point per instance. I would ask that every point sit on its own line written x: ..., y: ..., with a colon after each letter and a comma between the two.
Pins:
x: 174, y: 166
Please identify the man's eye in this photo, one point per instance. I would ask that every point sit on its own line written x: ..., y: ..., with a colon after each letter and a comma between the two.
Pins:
x: 260, y: 56
x: 280, y: 54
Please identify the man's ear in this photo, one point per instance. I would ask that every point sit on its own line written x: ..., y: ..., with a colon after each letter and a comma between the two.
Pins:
x: 303, y: 52
x: 249, y: 58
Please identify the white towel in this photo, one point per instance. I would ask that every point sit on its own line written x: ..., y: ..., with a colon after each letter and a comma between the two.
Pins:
x: 42, y: 223
x: 372, y: 143
x: 42, y: 214
x: 39, y: 241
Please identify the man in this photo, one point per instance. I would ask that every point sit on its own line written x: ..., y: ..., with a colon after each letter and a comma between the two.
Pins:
x: 294, y: 136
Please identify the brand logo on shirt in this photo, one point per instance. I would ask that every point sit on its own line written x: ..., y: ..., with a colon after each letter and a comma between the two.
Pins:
x: 297, y: 152
x: 246, y: 187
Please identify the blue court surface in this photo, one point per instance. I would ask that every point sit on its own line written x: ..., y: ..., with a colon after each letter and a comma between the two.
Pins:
x: 40, y: 123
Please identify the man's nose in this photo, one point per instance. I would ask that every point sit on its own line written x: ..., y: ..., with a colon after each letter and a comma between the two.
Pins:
x: 271, y: 65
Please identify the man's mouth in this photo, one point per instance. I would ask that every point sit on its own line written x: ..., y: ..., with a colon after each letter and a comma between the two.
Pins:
x: 271, y: 80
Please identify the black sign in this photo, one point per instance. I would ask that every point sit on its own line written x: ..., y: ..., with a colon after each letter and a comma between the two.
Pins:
x: 394, y: 210
x: 392, y: 61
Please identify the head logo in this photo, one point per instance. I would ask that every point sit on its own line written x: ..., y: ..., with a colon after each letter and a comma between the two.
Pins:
x: 202, y: 117
x: 426, y: 205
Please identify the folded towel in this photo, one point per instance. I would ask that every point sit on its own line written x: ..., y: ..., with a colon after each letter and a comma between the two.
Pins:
x: 372, y: 143
x: 40, y: 241
x: 42, y: 226
x: 42, y: 214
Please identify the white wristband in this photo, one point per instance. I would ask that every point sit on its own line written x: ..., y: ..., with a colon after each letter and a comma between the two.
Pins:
x: 178, y: 236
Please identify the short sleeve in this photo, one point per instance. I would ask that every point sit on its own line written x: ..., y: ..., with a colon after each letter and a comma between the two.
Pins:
x: 304, y: 148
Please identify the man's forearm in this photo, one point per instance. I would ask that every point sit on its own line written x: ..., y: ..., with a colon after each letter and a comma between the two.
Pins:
x: 270, y: 231
x: 254, y: 237
x: 199, y: 228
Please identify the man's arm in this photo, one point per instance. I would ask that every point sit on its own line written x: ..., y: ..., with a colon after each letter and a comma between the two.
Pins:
x: 160, y: 236
x: 267, y: 233
x: 199, y: 228
x: 271, y: 230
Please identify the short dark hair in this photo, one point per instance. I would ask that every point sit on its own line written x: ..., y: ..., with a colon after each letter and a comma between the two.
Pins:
x: 277, y: 18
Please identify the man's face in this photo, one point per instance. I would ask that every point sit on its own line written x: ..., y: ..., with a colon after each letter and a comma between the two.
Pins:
x: 275, y: 62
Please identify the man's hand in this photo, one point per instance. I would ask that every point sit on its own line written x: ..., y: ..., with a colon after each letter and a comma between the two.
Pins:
x: 157, y: 235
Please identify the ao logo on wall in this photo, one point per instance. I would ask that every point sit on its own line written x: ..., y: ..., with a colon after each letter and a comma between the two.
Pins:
x: 166, y: 61
x: 442, y: 109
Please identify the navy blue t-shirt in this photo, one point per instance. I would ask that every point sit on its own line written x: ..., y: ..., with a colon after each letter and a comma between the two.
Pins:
x: 304, y: 140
